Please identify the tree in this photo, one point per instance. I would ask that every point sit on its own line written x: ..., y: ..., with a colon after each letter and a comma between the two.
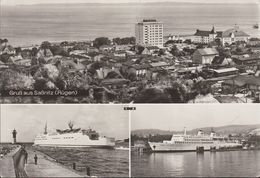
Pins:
x: 152, y: 95
x: 188, y: 41
x: 140, y: 49
x: 10, y: 79
x: 5, y: 41
x: 218, y: 41
x: 101, y: 41
x: 64, y: 43
x: 175, y: 51
x: 117, y: 41
x: 161, y: 52
x: 34, y: 51
x: 18, y: 50
x: 57, y: 50
x: 46, y: 45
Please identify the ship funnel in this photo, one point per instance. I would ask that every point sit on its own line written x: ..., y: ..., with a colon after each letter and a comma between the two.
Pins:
x: 200, y: 133
x: 45, y: 129
x: 185, y: 132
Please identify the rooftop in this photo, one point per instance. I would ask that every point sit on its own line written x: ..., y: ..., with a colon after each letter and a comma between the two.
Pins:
x: 149, y: 20
x: 208, y: 51
x: 231, y: 69
x: 243, y: 80
x: 235, y: 31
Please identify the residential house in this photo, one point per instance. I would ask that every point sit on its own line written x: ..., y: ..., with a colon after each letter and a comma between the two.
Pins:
x: 204, y: 56
x: 138, y: 70
x: 114, y: 83
x: 73, y: 66
x: 44, y: 53
x: 247, y: 60
x: 149, y: 50
x: 255, y: 49
x: 120, y: 53
x: 122, y: 47
x: 225, y: 72
x: 7, y: 50
x: 253, y: 42
x: 222, y: 61
x: 244, y: 81
x: 106, y: 47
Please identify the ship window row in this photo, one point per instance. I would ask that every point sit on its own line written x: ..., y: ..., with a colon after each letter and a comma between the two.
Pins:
x: 68, y: 137
x: 198, y: 140
x: 41, y: 139
x: 193, y: 142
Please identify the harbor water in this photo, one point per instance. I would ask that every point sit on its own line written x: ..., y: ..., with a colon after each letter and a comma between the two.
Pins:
x: 187, y: 164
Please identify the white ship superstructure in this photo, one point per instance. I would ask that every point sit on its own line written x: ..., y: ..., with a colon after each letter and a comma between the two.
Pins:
x: 184, y: 142
x: 73, y: 138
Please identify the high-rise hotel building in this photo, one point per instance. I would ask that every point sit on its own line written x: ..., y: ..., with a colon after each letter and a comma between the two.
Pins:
x: 149, y: 32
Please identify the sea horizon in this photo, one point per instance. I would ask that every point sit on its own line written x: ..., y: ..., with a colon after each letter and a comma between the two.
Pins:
x: 27, y: 25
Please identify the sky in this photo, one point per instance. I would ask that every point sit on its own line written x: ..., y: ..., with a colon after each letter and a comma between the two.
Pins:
x: 29, y: 120
x: 176, y: 117
x: 27, y: 2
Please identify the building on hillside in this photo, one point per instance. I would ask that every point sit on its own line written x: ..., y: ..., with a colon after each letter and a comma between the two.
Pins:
x: 226, y: 37
x: 204, y: 56
x: 149, y: 32
x: 205, y: 37
x: 234, y: 35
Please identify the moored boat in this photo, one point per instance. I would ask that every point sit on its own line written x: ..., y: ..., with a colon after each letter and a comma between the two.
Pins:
x: 184, y: 142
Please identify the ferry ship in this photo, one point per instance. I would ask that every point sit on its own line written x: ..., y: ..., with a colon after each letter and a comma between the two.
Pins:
x: 184, y: 142
x: 73, y: 138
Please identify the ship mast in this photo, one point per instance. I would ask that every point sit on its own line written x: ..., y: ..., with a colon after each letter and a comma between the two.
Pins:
x: 185, y: 132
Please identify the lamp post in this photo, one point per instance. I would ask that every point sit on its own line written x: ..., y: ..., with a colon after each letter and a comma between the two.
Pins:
x: 14, y: 136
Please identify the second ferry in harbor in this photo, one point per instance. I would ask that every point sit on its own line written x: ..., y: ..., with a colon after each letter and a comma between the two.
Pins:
x: 73, y: 138
x: 184, y: 142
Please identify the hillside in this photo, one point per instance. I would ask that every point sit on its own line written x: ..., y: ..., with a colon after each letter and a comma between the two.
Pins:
x: 143, y: 132
x: 228, y: 129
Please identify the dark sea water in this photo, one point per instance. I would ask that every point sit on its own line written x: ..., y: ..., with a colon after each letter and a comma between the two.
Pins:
x: 191, y: 164
x: 102, y: 162
x: 25, y: 25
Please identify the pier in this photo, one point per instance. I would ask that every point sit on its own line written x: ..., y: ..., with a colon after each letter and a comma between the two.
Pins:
x: 46, y: 167
x: 14, y: 165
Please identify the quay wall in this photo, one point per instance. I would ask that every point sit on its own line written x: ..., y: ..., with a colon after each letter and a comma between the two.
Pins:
x: 7, y: 168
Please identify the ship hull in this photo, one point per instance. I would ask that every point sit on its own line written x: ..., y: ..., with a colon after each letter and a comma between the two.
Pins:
x: 73, y: 140
x: 74, y: 146
x: 171, y: 147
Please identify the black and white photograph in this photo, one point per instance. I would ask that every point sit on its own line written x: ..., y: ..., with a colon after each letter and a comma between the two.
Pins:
x: 129, y: 88
x: 64, y: 141
x: 124, y: 51
x: 195, y: 141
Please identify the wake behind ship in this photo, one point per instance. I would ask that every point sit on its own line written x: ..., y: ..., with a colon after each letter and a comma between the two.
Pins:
x: 184, y: 142
x: 73, y: 138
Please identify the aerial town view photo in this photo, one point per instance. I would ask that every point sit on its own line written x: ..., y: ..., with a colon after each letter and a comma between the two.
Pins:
x: 129, y: 51
x: 64, y: 141
x: 188, y: 141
